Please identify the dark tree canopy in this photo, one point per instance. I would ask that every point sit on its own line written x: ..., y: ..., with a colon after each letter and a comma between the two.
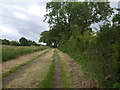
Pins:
x: 67, y: 18
x: 23, y: 41
x: 14, y: 43
x: 4, y: 42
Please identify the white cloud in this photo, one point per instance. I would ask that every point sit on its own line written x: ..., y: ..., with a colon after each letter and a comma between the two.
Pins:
x: 22, y: 20
x: 9, y: 33
x: 20, y: 15
x: 4, y: 30
x: 36, y: 10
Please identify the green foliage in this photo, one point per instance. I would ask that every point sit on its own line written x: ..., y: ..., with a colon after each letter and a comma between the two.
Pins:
x: 66, y: 18
x: 4, y: 42
x: 116, y: 18
x: 97, y: 52
x: 116, y: 85
x: 24, y: 42
x: 64, y: 14
x: 45, y: 37
x: 14, y: 43
x: 107, y: 47
x: 11, y: 52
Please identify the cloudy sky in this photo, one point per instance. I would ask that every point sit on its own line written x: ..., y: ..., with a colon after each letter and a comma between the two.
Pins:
x: 23, y: 19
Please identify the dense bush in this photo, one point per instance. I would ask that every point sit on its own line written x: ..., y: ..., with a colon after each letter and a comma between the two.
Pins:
x: 97, y: 54
x: 14, y: 43
x: 4, y: 42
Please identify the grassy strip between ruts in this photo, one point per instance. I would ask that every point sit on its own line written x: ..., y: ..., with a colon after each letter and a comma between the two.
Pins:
x: 63, y: 72
x: 48, y: 81
x: 14, y: 69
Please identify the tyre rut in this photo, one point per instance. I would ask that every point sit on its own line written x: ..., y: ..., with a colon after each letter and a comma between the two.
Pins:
x: 57, y: 71
x: 9, y: 78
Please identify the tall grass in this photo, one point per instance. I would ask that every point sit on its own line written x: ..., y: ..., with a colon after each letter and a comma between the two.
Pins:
x: 91, y: 66
x: 11, y: 52
x: 94, y: 68
x: 97, y: 55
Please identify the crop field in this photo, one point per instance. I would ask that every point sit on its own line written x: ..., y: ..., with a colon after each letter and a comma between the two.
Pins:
x: 11, y: 52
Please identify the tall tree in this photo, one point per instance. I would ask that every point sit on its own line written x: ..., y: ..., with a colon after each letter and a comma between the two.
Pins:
x: 5, y: 42
x: 45, y: 37
x: 64, y: 16
x: 23, y: 41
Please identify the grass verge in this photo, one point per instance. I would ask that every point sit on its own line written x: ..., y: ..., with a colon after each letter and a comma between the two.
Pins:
x: 63, y: 72
x: 14, y: 69
x: 90, y: 66
x: 48, y: 81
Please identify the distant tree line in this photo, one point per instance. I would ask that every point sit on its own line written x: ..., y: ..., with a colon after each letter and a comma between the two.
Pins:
x: 22, y: 42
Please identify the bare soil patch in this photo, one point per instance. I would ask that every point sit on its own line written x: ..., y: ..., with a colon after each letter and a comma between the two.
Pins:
x: 78, y: 79
x: 32, y: 76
